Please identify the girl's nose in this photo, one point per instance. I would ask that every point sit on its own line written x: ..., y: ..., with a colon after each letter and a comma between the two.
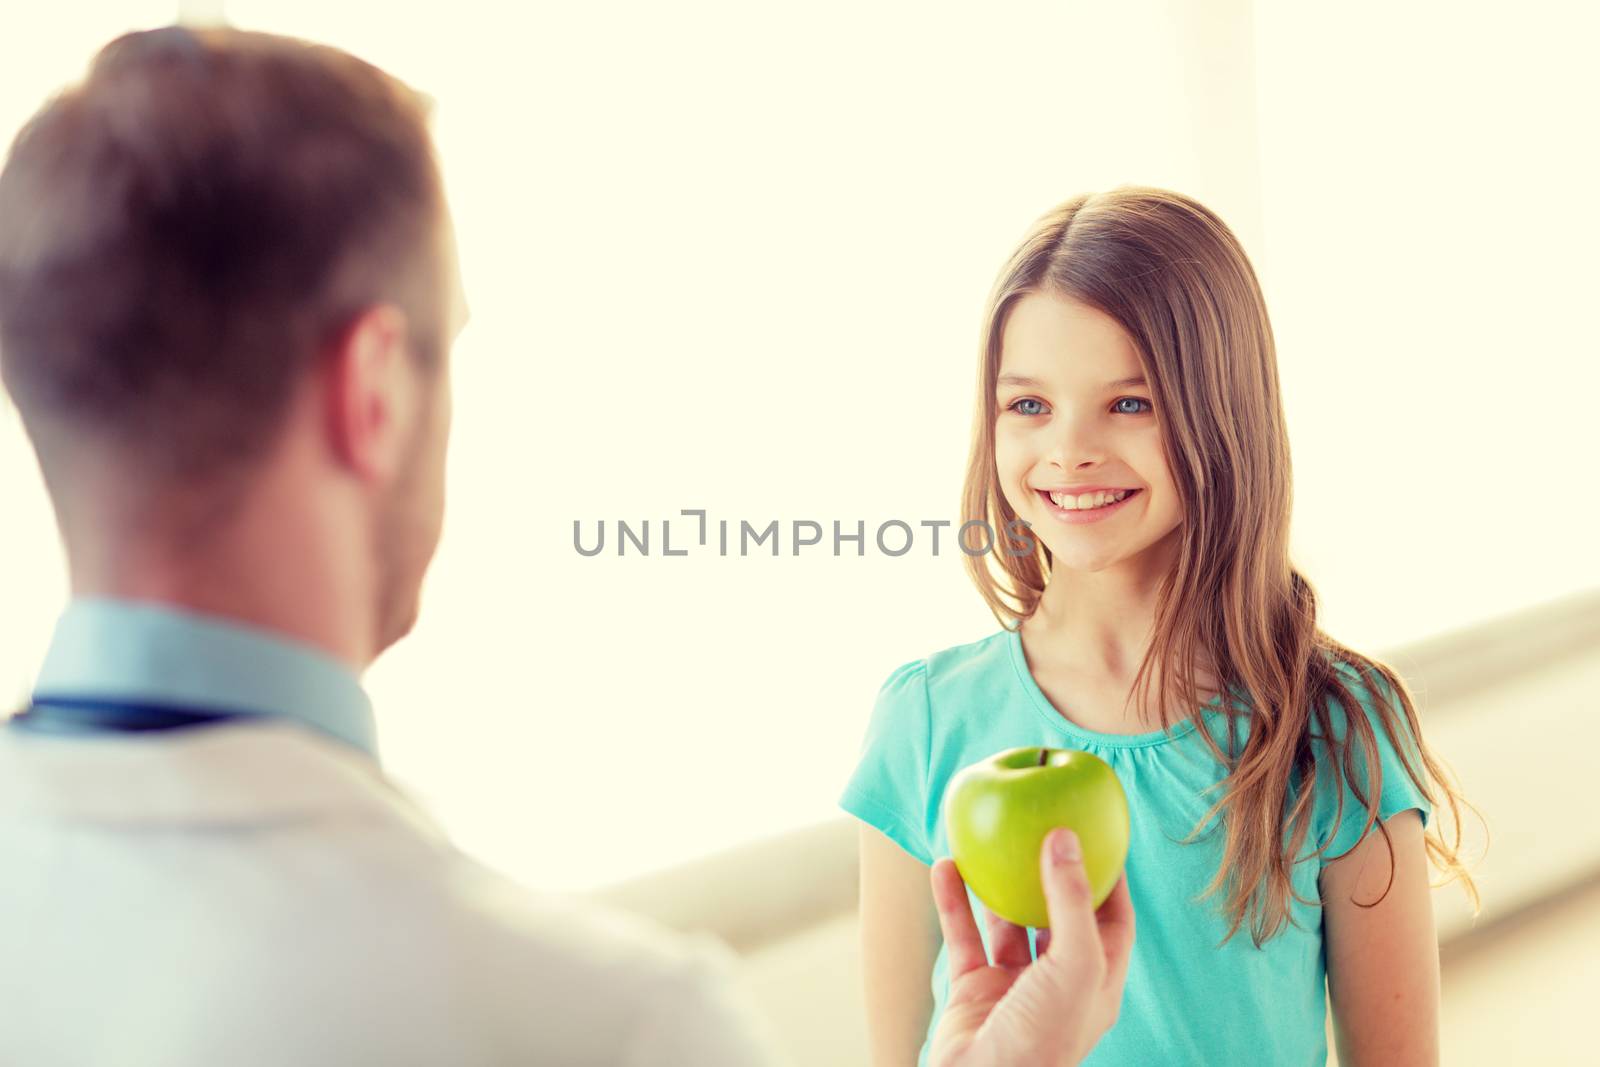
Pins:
x: 1073, y: 444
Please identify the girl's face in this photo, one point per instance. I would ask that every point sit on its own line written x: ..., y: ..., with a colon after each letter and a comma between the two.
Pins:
x: 1073, y: 413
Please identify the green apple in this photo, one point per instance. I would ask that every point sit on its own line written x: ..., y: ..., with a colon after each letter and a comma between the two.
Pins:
x: 999, y: 810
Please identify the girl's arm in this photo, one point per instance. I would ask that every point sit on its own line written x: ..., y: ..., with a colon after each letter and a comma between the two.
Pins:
x: 899, y: 941
x: 1383, y: 961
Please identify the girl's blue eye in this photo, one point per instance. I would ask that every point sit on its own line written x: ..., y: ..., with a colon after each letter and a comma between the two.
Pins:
x: 1030, y: 400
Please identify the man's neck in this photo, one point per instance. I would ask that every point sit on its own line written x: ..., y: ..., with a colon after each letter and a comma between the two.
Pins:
x: 284, y: 583
x: 267, y: 612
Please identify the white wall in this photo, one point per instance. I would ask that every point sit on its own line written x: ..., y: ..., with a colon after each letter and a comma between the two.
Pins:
x: 1427, y: 176
x: 733, y: 257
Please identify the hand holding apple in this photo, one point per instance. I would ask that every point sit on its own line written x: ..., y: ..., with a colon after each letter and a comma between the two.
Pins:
x: 1016, y: 1009
x: 998, y: 811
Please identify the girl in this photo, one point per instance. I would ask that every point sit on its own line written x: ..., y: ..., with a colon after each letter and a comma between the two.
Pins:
x: 1132, y: 460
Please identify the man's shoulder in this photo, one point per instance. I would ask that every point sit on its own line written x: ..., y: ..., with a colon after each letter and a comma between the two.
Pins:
x: 547, y: 972
x: 586, y: 969
x: 336, y: 915
x: 397, y: 880
x: 582, y: 932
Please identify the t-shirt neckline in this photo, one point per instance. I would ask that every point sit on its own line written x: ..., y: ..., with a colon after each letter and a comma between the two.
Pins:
x: 1059, y: 722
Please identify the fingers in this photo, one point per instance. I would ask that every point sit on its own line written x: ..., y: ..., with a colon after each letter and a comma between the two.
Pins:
x: 1008, y: 942
x: 1116, y: 922
x: 1041, y: 942
x: 962, y: 942
x: 1073, y: 932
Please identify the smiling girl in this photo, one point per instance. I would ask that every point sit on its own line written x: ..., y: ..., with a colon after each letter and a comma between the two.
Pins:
x: 1129, y: 414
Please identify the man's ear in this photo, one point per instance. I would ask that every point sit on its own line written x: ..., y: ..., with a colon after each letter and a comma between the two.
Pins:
x: 369, y: 389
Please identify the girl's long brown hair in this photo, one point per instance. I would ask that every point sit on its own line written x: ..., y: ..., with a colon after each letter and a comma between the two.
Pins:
x: 1175, y: 278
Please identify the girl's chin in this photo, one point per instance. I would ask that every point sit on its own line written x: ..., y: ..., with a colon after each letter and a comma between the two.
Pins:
x: 1072, y: 551
x: 1078, y: 561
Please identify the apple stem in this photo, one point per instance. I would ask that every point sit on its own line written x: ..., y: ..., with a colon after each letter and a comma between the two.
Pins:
x: 1044, y: 754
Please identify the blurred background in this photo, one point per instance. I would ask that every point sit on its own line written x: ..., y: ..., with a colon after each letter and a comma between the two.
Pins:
x: 732, y: 257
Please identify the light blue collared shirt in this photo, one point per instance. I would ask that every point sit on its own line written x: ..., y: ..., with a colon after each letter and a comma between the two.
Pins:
x: 137, y: 650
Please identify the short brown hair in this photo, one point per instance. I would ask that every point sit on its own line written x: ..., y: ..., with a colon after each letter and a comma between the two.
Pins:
x: 185, y: 230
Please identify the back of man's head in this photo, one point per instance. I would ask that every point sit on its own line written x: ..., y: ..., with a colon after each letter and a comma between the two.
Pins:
x: 186, y: 231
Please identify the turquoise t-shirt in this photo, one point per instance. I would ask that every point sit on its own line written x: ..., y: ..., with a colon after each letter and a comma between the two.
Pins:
x: 1186, y: 1000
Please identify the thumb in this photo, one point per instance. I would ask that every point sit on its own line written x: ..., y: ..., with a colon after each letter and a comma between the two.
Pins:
x: 1074, y: 937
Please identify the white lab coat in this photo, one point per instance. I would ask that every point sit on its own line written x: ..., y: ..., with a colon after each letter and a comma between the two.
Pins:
x: 252, y: 894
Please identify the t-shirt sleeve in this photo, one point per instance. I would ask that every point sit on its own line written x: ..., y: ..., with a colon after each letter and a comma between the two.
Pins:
x: 1397, y: 792
x: 889, y: 789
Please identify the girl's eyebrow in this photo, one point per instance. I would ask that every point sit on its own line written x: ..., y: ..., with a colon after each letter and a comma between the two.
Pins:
x: 1023, y: 379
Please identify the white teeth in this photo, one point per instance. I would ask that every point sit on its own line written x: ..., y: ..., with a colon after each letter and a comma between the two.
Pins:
x: 1087, y: 501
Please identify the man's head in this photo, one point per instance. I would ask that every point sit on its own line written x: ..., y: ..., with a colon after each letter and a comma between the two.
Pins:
x: 228, y: 292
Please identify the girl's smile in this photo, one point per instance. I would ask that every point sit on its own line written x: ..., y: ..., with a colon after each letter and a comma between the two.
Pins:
x: 1078, y: 516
